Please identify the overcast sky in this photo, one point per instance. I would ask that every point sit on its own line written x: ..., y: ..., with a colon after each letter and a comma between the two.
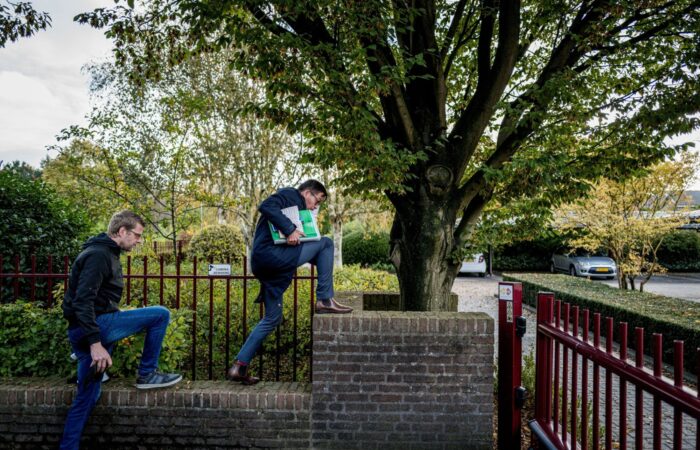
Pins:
x: 42, y: 88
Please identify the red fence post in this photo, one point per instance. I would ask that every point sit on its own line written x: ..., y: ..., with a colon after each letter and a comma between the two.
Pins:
x: 510, y: 310
x: 544, y: 349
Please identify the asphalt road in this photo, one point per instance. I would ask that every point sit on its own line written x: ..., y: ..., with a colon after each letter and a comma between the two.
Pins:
x: 679, y: 285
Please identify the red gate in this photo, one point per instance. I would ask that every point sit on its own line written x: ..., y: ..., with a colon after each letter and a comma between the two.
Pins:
x: 511, y: 395
x: 581, y: 387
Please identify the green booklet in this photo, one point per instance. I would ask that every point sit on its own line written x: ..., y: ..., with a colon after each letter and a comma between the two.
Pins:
x: 304, y: 221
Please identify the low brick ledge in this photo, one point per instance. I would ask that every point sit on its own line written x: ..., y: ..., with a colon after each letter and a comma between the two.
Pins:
x: 189, y: 415
x: 294, y: 396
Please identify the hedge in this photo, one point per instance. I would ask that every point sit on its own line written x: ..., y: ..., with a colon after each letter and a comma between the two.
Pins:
x: 680, y: 251
x: 676, y: 319
x: 35, y: 343
x: 366, y: 249
x: 218, y: 243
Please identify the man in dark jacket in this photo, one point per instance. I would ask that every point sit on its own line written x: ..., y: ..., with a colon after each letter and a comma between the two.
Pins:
x: 95, y: 322
x: 274, y: 266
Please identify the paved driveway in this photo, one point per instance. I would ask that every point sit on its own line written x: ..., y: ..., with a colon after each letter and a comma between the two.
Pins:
x: 679, y: 285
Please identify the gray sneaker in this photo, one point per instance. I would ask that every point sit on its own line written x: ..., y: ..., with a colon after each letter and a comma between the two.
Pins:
x: 157, y: 380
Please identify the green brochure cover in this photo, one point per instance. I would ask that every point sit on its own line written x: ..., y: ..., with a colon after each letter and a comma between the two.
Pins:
x: 304, y: 221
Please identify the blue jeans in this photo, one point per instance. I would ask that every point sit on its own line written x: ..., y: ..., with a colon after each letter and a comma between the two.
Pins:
x: 319, y: 253
x: 113, y: 327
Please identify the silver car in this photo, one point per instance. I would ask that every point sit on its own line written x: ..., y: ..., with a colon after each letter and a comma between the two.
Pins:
x: 582, y: 264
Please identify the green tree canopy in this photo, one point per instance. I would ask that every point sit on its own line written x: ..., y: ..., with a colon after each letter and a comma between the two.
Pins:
x: 630, y: 218
x: 20, y: 19
x: 444, y: 106
x: 36, y: 221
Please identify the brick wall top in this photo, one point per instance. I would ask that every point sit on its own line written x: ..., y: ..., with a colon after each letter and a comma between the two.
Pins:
x: 400, y: 321
x: 187, y: 394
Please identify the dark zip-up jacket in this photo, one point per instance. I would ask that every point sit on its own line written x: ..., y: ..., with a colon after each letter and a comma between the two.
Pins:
x: 274, y: 265
x: 95, y: 285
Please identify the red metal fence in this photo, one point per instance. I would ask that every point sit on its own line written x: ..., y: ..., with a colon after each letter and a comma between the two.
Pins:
x: 20, y: 279
x: 581, y: 387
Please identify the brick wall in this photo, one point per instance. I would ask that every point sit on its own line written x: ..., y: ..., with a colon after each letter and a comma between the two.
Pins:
x: 190, y: 415
x: 381, y: 380
x: 403, y: 380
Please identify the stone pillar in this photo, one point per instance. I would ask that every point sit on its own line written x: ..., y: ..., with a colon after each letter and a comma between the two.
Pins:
x: 403, y: 380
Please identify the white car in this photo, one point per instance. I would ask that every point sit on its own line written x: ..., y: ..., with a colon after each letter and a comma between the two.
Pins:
x: 582, y: 264
x: 474, y: 264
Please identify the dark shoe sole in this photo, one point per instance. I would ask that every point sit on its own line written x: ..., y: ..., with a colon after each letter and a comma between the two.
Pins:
x: 323, y: 311
x: 244, y: 381
x: 159, y: 385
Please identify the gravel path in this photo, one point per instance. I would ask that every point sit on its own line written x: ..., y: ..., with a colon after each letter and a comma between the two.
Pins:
x: 480, y: 294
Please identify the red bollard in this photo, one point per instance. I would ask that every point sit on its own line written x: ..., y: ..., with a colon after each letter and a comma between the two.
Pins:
x: 511, y: 328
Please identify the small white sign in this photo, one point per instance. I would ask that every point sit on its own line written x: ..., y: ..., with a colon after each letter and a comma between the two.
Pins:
x: 219, y: 270
x: 505, y: 292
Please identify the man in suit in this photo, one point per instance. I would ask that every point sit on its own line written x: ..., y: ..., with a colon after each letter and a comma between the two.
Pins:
x: 274, y: 266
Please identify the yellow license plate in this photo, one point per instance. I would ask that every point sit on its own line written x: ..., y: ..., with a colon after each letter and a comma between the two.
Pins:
x: 602, y: 269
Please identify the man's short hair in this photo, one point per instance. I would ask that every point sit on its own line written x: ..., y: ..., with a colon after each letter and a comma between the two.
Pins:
x: 127, y: 219
x: 314, y: 186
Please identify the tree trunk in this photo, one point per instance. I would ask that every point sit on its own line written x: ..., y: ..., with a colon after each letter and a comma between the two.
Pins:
x: 621, y: 278
x: 421, y: 243
x: 220, y: 215
x: 338, y: 244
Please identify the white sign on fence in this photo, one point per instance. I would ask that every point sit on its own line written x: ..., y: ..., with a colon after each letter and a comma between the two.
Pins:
x: 505, y: 292
x: 219, y: 270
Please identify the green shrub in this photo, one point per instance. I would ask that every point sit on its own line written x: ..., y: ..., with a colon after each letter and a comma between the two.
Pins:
x: 680, y: 251
x: 174, y: 354
x: 35, y: 221
x: 218, y: 243
x: 524, y: 262
x: 355, y: 278
x: 676, y: 319
x: 35, y: 343
x: 531, y: 256
x: 366, y: 249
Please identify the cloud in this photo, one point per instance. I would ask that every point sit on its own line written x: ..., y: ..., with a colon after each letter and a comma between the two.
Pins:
x: 42, y: 88
x: 32, y: 114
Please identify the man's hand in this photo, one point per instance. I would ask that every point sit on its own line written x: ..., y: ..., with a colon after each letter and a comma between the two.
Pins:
x: 100, y: 357
x: 293, y: 239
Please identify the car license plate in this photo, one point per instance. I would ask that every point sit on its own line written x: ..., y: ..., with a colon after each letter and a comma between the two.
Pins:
x: 602, y: 270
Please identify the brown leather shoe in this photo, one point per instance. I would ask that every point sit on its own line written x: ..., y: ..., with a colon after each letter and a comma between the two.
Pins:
x: 340, y: 305
x: 239, y: 372
x: 334, y: 308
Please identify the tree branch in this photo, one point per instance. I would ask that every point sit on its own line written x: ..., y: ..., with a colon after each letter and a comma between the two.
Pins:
x: 452, y: 30
x: 470, y: 125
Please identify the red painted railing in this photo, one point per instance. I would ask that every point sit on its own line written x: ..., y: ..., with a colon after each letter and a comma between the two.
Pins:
x: 573, y: 409
x: 23, y: 281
